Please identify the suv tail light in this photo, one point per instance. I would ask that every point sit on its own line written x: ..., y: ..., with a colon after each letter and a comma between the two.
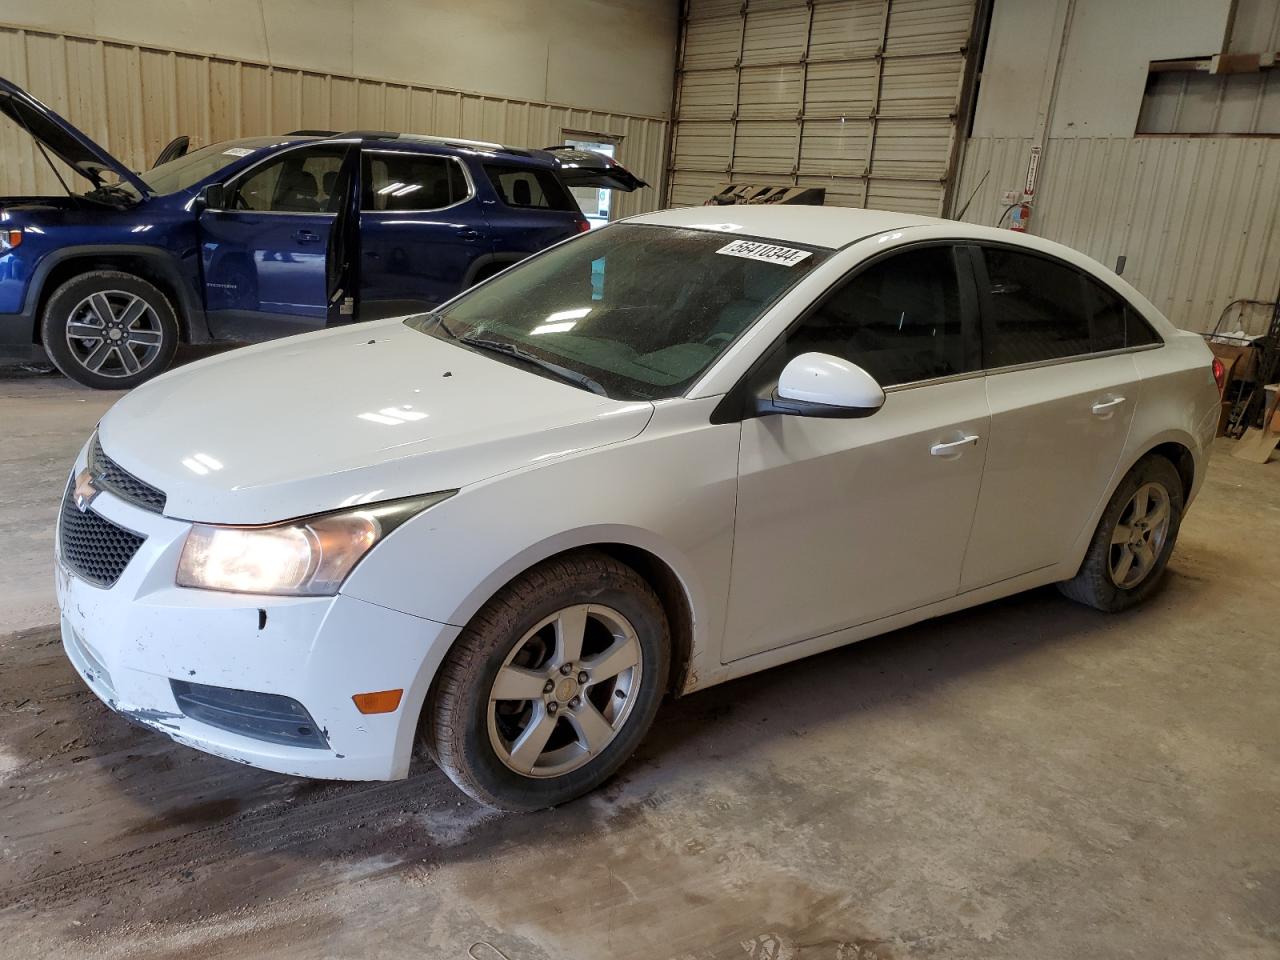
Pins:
x: 583, y: 224
x: 1219, y: 374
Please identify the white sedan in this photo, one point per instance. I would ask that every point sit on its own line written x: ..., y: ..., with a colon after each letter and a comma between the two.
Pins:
x: 656, y: 457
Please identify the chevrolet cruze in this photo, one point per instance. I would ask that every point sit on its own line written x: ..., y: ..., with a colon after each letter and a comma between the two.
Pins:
x: 650, y: 459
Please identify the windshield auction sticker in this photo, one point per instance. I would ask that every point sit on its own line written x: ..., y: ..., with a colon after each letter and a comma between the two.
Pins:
x: 764, y: 252
x: 237, y: 152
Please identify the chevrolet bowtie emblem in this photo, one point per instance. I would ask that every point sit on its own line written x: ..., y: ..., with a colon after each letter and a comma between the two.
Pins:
x: 85, y: 491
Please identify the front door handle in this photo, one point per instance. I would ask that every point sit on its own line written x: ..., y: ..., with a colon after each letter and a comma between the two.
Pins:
x: 955, y: 447
x: 1104, y: 408
x: 306, y: 236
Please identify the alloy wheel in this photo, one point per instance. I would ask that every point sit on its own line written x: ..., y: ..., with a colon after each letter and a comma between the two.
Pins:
x: 114, y: 333
x: 565, y: 691
x: 1139, y: 536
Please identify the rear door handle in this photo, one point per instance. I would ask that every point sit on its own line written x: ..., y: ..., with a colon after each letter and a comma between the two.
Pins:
x: 469, y: 234
x: 1104, y: 408
x: 306, y: 236
x: 955, y: 447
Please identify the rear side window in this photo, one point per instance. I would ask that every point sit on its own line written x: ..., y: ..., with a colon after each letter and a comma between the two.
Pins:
x: 411, y: 181
x: 1036, y: 310
x: 1113, y: 323
x: 899, y: 319
x: 529, y: 188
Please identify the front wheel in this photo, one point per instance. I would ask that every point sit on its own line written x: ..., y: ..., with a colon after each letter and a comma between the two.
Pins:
x: 552, y: 684
x: 1135, y: 537
x: 109, y: 330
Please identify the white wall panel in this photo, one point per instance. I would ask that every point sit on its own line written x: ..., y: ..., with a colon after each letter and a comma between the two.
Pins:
x: 134, y: 99
x: 1198, y: 218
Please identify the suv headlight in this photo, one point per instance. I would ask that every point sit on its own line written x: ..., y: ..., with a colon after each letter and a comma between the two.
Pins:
x: 9, y: 239
x: 310, y: 556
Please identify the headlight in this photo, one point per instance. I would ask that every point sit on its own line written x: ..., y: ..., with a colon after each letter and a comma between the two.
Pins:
x: 9, y: 239
x: 306, y: 557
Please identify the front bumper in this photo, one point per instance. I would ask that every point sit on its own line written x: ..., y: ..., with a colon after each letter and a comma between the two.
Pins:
x: 130, y: 641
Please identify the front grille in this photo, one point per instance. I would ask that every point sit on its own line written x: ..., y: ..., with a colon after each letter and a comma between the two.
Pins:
x: 262, y: 716
x: 92, y: 546
x: 109, y: 475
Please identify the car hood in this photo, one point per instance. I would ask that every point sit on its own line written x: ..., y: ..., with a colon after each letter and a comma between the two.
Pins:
x: 352, y: 415
x: 62, y: 139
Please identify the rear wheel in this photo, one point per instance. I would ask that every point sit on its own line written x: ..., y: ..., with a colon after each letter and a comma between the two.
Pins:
x: 552, y: 685
x: 109, y: 330
x: 1135, y: 537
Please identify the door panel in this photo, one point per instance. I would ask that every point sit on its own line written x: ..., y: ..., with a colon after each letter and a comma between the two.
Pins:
x: 265, y: 257
x: 1057, y: 433
x: 841, y: 522
x: 264, y: 272
x: 422, y: 231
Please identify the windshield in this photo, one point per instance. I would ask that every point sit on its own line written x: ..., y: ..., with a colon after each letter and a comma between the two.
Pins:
x: 190, y: 169
x: 641, y: 310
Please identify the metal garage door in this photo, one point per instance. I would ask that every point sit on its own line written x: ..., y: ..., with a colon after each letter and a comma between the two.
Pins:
x: 858, y: 96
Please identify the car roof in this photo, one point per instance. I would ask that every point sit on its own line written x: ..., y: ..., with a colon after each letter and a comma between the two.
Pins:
x: 830, y: 227
x: 393, y: 138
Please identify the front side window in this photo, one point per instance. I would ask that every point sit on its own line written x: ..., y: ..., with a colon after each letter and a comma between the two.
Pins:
x: 411, y: 181
x: 899, y: 319
x: 1036, y: 310
x: 642, y: 310
x: 297, y: 181
x: 529, y: 187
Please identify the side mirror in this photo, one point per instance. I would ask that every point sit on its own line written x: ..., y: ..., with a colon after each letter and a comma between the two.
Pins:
x: 212, y: 197
x: 820, y: 385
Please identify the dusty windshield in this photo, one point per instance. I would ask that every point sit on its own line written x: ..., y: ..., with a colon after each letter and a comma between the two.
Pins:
x: 636, y: 311
x: 190, y: 169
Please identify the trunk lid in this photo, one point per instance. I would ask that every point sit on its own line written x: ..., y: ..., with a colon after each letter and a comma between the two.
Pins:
x: 588, y: 168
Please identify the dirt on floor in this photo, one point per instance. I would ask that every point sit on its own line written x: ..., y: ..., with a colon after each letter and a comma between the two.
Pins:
x: 1029, y: 779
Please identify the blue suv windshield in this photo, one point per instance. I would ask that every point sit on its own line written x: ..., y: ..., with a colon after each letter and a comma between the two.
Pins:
x: 637, y: 310
x: 190, y: 169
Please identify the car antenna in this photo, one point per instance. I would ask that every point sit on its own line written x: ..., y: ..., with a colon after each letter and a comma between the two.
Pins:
x: 44, y: 153
x: 960, y: 215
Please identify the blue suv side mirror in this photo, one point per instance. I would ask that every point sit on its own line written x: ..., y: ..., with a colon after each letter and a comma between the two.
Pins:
x: 212, y: 197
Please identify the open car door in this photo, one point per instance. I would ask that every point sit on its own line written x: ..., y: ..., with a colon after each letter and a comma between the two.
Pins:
x: 175, y: 148
x: 588, y: 168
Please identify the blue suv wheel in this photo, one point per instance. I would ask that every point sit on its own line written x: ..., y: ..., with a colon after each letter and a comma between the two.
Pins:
x: 109, y: 330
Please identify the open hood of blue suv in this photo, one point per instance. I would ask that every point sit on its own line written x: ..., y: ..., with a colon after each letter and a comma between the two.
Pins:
x: 62, y: 139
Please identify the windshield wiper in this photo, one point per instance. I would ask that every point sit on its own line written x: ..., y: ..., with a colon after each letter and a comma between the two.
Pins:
x: 511, y: 350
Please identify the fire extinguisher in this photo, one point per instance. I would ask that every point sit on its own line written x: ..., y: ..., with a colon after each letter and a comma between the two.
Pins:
x: 1020, y: 217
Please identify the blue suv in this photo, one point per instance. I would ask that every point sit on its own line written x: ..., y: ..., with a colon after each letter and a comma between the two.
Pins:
x: 261, y: 237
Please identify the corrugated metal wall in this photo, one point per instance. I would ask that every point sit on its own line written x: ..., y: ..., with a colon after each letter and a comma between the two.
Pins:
x: 134, y: 99
x: 857, y: 96
x: 1198, y: 218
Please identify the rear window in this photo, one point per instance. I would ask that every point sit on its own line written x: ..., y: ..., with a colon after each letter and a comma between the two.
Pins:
x: 529, y: 188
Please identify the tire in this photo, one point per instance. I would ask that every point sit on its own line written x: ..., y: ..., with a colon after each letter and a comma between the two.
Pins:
x: 1105, y: 581
x: 140, y: 327
x: 476, y: 741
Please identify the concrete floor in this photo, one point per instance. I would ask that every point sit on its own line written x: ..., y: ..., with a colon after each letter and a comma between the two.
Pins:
x: 1029, y: 779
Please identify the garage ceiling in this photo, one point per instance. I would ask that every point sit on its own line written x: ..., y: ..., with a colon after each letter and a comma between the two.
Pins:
x: 858, y: 96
